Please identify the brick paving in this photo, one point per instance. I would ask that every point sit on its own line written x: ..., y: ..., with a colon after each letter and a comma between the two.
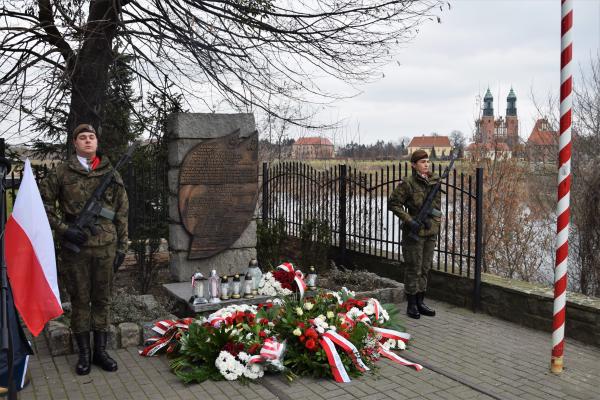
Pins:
x: 464, y: 350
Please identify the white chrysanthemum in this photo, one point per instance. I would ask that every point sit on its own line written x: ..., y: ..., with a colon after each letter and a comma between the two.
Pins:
x: 269, y: 286
x: 254, y: 371
x: 308, y: 306
x: 243, y: 356
x: 228, y: 366
x: 354, y: 313
x: 369, y: 309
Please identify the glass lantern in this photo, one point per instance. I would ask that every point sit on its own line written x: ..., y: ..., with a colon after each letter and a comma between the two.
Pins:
x: 235, y: 291
x: 198, y: 282
x: 213, y: 287
x: 248, y: 286
x: 256, y: 275
x: 311, y: 278
x: 225, y: 287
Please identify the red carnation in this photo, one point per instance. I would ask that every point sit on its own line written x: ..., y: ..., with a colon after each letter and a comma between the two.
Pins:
x: 311, y: 333
x: 250, y: 317
x: 286, y: 279
x: 301, y: 325
x: 262, y: 334
x: 254, y: 348
x: 263, y: 321
x: 311, y: 344
x: 233, y: 348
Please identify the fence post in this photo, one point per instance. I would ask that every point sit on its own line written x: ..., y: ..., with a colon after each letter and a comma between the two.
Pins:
x: 342, y: 213
x: 478, y: 238
x: 265, y: 192
x: 3, y: 193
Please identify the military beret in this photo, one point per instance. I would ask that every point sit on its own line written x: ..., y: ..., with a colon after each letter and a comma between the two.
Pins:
x: 83, y: 128
x: 418, y: 155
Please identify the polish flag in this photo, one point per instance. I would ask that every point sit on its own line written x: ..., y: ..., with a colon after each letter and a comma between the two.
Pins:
x: 30, y: 260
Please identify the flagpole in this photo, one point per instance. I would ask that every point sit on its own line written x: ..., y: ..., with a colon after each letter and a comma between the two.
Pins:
x: 5, y: 334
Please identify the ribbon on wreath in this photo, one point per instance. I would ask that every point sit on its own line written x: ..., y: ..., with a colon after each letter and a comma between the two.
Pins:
x: 397, y: 359
x: 328, y: 341
x: 271, y: 352
x: 169, y: 330
x: 298, y: 276
x: 385, y: 335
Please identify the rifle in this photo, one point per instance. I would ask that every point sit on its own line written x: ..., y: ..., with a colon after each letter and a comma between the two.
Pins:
x: 93, y: 206
x: 427, y: 210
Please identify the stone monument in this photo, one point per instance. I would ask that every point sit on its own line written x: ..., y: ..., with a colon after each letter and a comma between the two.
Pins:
x: 213, y: 188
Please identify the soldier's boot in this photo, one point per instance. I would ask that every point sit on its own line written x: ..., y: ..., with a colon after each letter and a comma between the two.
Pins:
x: 101, y: 357
x: 412, y: 310
x: 85, y: 353
x: 423, y: 308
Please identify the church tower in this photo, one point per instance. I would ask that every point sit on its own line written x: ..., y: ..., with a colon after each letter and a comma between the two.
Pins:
x: 486, y: 127
x: 512, y: 121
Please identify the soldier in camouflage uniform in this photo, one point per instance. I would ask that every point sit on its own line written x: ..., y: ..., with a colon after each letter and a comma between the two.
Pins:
x: 88, y: 275
x: 405, y: 202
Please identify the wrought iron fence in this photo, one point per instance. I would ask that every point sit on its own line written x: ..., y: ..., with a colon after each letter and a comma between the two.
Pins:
x: 354, y: 203
x: 147, y: 189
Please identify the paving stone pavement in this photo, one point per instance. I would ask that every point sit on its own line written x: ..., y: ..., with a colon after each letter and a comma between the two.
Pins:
x: 464, y: 350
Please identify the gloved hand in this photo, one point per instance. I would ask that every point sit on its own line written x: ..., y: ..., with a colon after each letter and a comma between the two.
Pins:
x: 427, y: 223
x: 414, y: 226
x: 119, y: 258
x: 75, y: 235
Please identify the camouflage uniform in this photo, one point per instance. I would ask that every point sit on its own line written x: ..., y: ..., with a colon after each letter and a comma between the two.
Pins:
x: 405, y: 202
x: 87, y: 275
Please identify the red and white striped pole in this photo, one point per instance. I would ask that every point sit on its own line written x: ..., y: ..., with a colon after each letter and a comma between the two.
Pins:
x: 564, y: 187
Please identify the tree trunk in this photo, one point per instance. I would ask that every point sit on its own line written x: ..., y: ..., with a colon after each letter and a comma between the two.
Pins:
x: 90, y: 72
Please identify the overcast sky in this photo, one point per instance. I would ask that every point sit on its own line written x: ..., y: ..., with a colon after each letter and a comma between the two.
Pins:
x: 480, y: 43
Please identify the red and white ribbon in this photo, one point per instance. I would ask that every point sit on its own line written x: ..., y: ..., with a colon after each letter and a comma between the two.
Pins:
x: 335, y: 362
x: 376, y: 307
x: 564, y: 186
x: 392, y: 334
x: 298, y: 276
x: 397, y: 359
x: 169, y: 331
x: 348, y: 347
x: 270, y: 351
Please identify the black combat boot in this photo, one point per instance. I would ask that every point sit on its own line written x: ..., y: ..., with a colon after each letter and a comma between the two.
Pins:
x: 423, y: 309
x: 101, y: 358
x: 412, y: 310
x: 85, y: 353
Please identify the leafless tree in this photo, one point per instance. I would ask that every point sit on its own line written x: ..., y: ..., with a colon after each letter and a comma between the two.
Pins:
x: 584, y: 264
x: 243, y: 52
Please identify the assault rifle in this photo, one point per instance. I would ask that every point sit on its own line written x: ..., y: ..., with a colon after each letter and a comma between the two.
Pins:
x: 427, y: 210
x: 93, y: 206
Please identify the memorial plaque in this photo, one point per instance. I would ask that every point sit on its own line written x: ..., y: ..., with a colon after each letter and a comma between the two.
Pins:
x: 218, y: 187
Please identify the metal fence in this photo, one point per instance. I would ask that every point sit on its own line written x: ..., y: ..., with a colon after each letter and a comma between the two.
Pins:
x: 354, y: 204
x: 147, y: 190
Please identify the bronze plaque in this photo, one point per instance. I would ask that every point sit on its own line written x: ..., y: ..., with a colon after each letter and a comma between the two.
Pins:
x: 218, y: 187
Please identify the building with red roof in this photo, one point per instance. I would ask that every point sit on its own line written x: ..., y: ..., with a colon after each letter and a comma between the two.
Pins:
x: 440, y: 145
x: 312, y: 148
x: 542, y: 144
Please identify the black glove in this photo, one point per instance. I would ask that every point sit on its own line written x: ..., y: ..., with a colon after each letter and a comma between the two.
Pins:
x: 427, y: 223
x: 414, y: 226
x: 75, y: 235
x: 119, y: 258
